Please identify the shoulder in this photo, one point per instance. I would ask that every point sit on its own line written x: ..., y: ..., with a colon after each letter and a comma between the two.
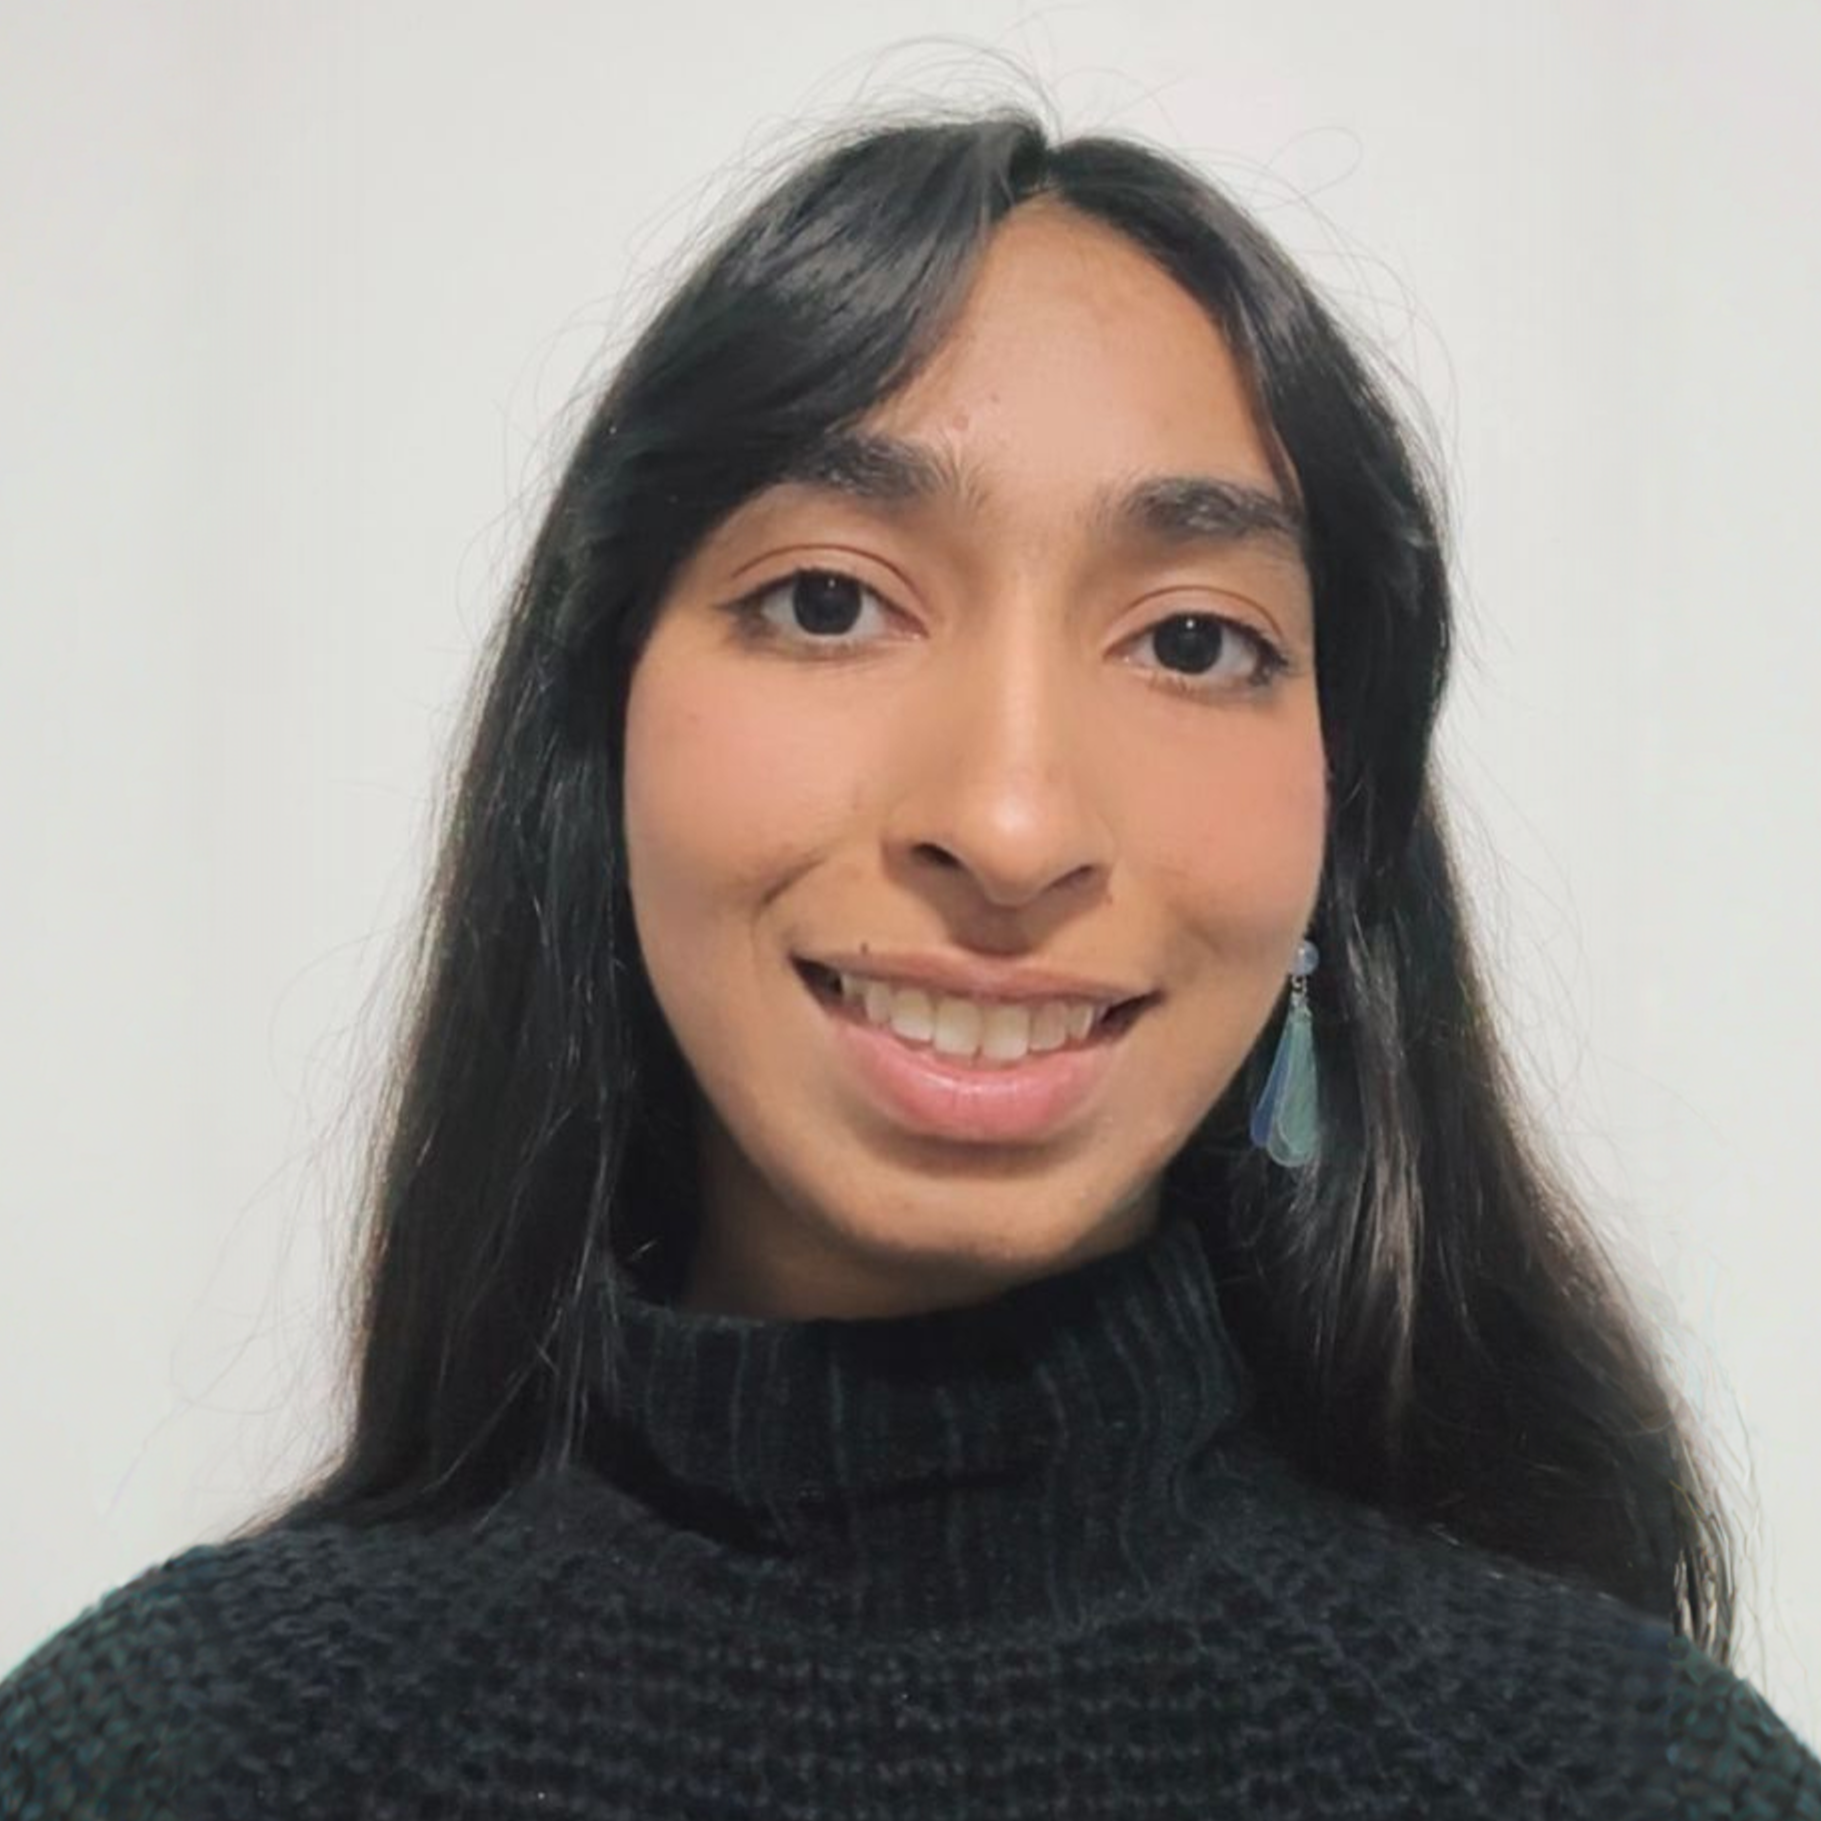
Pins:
x: 1729, y: 1752
x: 98, y: 1709
x: 247, y: 1677
x: 1527, y: 1679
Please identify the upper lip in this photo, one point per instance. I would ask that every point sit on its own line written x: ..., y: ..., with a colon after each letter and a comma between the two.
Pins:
x: 974, y: 978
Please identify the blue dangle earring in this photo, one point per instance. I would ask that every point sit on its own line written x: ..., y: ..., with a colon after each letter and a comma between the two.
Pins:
x: 1286, y: 1120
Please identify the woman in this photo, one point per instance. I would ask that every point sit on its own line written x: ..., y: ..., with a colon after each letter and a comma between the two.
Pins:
x: 954, y: 1237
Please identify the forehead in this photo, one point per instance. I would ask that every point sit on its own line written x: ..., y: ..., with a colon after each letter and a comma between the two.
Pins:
x: 1081, y: 403
x: 1076, y: 356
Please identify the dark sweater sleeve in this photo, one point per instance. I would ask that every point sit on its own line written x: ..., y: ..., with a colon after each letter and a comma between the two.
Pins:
x: 248, y: 1681
x: 92, y: 1722
x: 272, y: 1677
x: 1731, y: 1757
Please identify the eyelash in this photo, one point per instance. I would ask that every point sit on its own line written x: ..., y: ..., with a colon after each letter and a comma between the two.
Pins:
x: 1271, y: 662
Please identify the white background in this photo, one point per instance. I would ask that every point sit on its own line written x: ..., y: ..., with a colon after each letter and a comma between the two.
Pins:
x: 295, y: 300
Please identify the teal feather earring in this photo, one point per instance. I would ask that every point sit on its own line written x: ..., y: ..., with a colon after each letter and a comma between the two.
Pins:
x: 1286, y: 1121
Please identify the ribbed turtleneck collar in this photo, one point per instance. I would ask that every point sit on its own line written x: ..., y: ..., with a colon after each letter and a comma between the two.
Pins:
x: 1022, y: 1456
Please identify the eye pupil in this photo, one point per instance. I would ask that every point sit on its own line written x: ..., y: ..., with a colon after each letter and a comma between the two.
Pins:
x: 825, y: 602
x: 1199, y: 646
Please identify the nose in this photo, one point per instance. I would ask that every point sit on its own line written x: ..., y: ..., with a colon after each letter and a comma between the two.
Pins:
x: 1001, y: 775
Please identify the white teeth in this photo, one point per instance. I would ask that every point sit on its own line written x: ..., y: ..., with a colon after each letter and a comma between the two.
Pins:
x: 970, y: 1027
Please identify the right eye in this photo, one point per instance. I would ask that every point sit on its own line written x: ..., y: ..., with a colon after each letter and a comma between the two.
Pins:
x: 821, y: 605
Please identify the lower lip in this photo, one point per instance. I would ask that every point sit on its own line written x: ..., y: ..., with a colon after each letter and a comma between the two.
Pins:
x: 986, y: 1103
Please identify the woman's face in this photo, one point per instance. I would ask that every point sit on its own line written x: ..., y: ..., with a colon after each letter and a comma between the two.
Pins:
x: 981, y: 730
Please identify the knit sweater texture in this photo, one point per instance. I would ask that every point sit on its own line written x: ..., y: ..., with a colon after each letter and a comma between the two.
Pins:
x: 1026, y: 1559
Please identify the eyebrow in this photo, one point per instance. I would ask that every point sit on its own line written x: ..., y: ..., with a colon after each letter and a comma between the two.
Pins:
x: 1171, y: 508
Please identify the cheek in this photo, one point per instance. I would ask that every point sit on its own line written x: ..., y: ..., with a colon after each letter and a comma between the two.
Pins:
x: 723, y: 794
x: 1240, y: 841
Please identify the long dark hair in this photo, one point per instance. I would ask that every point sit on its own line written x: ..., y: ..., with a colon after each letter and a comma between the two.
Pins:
x: 1434, y: 1325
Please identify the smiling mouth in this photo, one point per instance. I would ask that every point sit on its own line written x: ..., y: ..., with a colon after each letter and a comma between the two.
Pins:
x: 825, y: 983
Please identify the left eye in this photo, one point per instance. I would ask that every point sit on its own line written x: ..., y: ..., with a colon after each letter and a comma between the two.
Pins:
x: 1203, y: 641
x: 823, y: 604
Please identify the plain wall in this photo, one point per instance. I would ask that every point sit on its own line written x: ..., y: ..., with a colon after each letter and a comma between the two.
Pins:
x: 295, y: 300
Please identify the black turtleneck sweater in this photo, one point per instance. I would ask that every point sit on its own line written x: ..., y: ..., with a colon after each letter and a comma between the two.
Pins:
x: 1018, y: 1561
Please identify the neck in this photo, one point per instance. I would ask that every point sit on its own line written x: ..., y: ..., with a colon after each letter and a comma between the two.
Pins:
x: 1029, y: 1453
